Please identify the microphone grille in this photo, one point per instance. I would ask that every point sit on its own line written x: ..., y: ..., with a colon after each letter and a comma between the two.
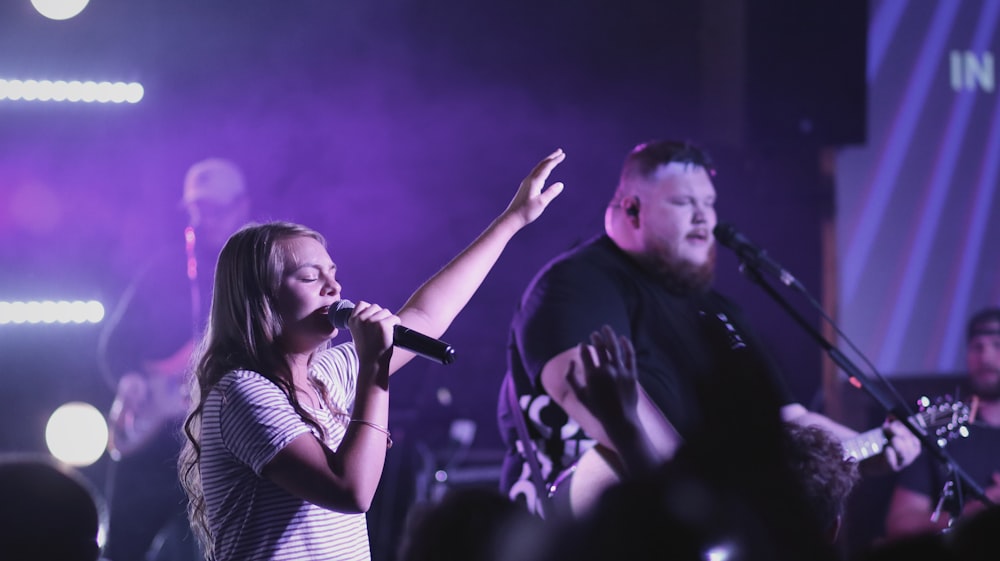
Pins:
x: 340, y: 313
x: 724, y: 232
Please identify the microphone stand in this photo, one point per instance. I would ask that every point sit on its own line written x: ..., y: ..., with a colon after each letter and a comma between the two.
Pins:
x: 950, y: 499
x: 860, y: 380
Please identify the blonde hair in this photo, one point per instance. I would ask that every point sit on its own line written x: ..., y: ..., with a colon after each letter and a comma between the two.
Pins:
x: 243, y: 331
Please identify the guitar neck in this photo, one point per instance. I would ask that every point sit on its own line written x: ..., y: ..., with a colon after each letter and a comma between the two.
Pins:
x: 865, y: 445
x: 945, y: 420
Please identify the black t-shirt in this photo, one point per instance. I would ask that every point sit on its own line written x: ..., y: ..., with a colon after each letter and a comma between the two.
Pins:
x: 681, y: 345
x: 978, y: 455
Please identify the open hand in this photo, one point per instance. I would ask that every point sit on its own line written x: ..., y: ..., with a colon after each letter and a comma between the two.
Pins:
x: 532, y: 197
x: 610, y: 388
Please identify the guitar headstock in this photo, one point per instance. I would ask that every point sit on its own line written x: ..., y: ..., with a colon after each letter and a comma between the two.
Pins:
x: 945, y: 418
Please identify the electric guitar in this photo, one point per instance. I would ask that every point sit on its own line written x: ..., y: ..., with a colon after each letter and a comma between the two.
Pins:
x: 147, y: 403
x: 946, y: 419
x: 578, y: 487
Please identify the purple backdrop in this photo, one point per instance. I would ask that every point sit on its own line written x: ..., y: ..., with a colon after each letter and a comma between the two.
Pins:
x: 399, y: 130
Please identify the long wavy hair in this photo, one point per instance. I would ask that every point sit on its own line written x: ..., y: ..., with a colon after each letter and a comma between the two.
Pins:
x: 243, y: 333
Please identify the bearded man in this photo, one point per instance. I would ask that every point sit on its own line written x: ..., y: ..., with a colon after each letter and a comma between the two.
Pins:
x: 649, y: 278
x: 920, y: 487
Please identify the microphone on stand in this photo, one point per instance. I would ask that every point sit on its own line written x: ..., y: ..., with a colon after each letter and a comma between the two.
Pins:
x: 752, y: 255
x: 402, y: 337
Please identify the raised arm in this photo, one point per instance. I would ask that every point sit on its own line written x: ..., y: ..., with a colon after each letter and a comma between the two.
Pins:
x: 657, y: 432
x: 432, y: 308
x: 610, y: 392
x: 598, y: 388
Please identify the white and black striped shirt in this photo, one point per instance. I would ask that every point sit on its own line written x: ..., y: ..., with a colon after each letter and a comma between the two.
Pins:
x: 247, y: 421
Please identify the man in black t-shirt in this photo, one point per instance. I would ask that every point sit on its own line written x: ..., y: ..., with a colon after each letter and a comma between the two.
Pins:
x: 649, y: 278
x: 920, y: 486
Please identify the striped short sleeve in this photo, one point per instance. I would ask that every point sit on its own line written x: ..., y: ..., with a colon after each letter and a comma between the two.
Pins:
x: 256, y: 420
x: 336, y: 369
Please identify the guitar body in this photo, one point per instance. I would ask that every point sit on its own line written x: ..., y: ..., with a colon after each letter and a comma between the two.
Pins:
x: 148, y: 403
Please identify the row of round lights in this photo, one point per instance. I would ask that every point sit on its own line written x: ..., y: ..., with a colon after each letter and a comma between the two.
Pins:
x: 49, y: 311
x: 72, y: 91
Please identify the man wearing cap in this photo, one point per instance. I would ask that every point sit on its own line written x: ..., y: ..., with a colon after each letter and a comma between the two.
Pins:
x: 215, y: 200
x: 144, y: 351
x: 920, y: 486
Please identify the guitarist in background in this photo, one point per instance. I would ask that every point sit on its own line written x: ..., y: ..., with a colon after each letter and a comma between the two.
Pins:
x: 920, y: 487
x: 144, y: 352
x: 649, y: 278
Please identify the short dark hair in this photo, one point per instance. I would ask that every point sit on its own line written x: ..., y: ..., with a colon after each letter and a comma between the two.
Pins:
x: 643, y: 161
x: 977, y: 323
x: 646, y: 157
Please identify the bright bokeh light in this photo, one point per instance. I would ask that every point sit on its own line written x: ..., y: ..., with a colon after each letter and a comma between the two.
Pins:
x: 72, y: 91
x: 77, y: 434
x: 49, y: 311
x: 59, y: 9
x: 720, y: 552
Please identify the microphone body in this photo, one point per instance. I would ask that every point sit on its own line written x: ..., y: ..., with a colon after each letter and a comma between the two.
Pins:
x: 402, y: 337
x: 751, y: 254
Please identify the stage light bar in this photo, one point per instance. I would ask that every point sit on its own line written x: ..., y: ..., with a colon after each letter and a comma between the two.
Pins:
x: 73, y: 91
x: 49, y: 311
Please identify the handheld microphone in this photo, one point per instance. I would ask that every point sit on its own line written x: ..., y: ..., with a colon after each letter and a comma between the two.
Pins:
x: 402, y: 337
x: 751, y: 254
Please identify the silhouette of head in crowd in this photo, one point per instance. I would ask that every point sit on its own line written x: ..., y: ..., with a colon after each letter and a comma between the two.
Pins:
x: 48, y: 512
